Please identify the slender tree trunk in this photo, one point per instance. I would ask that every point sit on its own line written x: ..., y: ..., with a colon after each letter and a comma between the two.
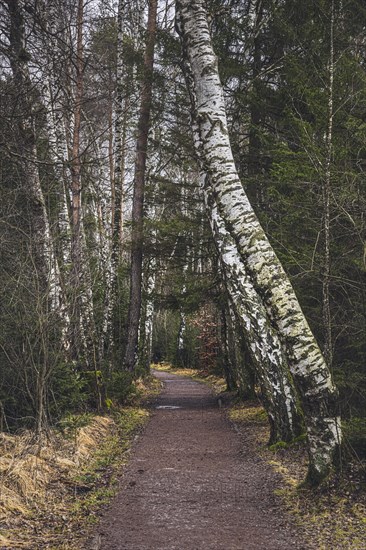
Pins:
x: 180, y: 338
x: 111, y: 163
x: 118, y: 174
x: 228, y: 367
x: 57, y: 150
x: 308, y: 367
x: 254, y: 145
x: 278, y: 394
x: 138, y: 195
x: 120, y: 128
x: 83, y: 329
x: 99, y: 252
x: 327, y: 189
x: 181, y: 344
x: 148, y: 309
x: 147, y: 316
x: 76, y: 240
x: 58, y: 156
x: 244, y: 372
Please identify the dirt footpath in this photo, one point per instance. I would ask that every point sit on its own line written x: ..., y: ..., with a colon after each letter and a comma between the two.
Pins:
x: 193, y: 483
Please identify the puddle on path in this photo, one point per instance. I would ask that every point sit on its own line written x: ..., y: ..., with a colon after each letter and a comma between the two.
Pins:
x: 168, y: 407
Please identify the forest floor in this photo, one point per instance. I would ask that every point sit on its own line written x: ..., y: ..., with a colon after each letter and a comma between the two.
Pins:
x: 197, y: 474
x: 195, y: 482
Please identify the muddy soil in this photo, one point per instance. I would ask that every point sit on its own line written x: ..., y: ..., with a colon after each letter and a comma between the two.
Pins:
x: 194, y: 483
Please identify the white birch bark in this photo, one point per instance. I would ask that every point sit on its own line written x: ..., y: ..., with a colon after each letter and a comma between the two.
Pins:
x: 278, y: 394
x: 57, y: 149
x: 308, y: 367
x: 182, y: 315
x: 53, y: 94
x: 150, y: 311
x: 58, y: 156
x: 134, y: 309
x: 121, y: 109
x: 181, y: 332
x: 118, y: 121
x: 279, y: 397
x: 44, y: 244
x: 147, y: 317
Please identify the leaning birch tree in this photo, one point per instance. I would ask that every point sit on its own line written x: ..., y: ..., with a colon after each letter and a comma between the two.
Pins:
x: 278, y: 395
x: 310, y: 372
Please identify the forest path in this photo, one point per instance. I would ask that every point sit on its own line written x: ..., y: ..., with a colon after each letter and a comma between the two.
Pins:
x: 192, y: 483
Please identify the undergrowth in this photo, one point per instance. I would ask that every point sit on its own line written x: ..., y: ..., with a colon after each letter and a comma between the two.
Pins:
x: 51, y: 495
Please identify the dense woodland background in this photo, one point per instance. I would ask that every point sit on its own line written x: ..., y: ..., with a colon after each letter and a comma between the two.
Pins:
x: 294, y: 76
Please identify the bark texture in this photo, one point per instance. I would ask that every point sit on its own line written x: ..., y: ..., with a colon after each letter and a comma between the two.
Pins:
x: 77, y: 329
x: 120, y: 128
x: 306, y: 362
x: 278, y: 395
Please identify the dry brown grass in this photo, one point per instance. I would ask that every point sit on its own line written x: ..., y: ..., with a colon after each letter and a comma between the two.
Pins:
x: 31, y: 475
x: 50, y: 493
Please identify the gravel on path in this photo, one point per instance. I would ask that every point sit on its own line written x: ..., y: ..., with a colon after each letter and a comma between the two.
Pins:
x: 193, y: 483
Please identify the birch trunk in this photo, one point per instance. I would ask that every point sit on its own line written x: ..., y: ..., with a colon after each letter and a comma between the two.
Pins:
x: 52, y: 93
x: 83, y: 329
x: 327, y: 190
x: 181, y: 344
x: 117, y: 155
x: 308, y: 367
x: 278, y: 395
x: 77, y: 329
x: 180, y: 339
x: 120, y: 129
x: 58, y: 155
x: 147, y: 317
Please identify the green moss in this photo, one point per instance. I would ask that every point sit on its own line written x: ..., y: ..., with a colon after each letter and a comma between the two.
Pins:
x: 279, y: 445
x: 245, y: 414
x: 286, y: 445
